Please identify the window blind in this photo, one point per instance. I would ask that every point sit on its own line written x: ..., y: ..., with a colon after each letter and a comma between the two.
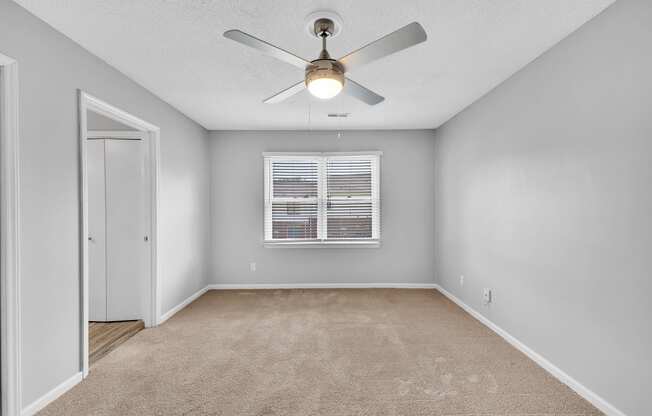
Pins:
x: 349, y: 192
x: 294, y: 201
x: 326, y: 198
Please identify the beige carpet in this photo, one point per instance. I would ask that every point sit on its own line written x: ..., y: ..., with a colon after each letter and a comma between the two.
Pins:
x: 319, y: 352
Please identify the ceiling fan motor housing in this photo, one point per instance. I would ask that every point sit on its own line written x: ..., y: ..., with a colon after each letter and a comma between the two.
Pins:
x: 324, y: 68
x: 324, y: 27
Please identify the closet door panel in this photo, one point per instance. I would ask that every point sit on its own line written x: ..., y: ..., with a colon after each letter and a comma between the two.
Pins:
x: 125, y: 228
x: 96, y: 230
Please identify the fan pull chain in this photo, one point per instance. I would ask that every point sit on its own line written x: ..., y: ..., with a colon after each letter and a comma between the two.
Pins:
x: 309, y: 114
x: 339, y: 121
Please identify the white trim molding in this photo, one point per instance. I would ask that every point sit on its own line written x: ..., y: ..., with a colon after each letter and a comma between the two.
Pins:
x: 116, y: 134
x: 151, y: 134
x: 592, y: 397
x: 10, y: 238
x: 322, y: 244
x: 52, y: 395
x: 230, y: 286
x: 285, y: 155
x: 167, y: 315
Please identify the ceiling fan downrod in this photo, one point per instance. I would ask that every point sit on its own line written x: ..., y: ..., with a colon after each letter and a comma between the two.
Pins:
x: 324, y: 29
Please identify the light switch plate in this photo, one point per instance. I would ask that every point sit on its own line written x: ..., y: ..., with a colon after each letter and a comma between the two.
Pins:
x: 486, y: 296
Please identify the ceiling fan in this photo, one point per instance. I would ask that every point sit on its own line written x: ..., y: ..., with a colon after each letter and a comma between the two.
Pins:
x: 325, y: 77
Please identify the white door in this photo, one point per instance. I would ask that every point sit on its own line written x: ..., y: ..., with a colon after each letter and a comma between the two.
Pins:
x: 96, y: 230
x: 124, y: 231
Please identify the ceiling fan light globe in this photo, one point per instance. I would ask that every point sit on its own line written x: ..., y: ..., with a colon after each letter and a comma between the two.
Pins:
x: 324, y: 78
x: 325, y: 88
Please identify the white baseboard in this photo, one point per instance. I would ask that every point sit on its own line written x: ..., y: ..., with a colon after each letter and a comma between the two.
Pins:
x: 167, y: 315
x: 227, y: 286
x: 52, y: 395
x: 597, y: 401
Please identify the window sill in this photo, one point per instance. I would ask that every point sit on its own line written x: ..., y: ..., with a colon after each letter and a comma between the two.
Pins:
x: 322, y: 244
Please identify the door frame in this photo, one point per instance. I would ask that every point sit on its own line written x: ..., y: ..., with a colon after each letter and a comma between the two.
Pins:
x: 10, y: 238
x: 151, y: 134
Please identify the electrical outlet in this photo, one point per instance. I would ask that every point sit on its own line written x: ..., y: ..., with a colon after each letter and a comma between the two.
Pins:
x: 462, y: 281
x: 486, y: 296
x: 252, y: 266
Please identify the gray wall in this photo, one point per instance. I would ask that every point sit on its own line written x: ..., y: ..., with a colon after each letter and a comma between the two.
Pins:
x: 95, y: 121
x: 544, y: 193
x: 52, y: 68
x: 406, y: 183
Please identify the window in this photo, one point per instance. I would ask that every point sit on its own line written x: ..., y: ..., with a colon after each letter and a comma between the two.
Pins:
x: 322, y: 198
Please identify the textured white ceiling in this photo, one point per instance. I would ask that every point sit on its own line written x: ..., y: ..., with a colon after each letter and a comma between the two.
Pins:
x: 175, y: 49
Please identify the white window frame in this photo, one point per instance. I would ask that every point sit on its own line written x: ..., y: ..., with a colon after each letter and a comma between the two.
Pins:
x: 322, y: 219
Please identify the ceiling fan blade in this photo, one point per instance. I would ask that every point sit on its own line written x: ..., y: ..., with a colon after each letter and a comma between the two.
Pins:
x: 266, y: 48
x: 286, y: 93
x: 398, y: 40
x: 361, y: 93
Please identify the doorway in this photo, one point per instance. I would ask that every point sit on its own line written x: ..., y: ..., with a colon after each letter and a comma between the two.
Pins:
x: 119, y: 194
x: 118, y: 241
